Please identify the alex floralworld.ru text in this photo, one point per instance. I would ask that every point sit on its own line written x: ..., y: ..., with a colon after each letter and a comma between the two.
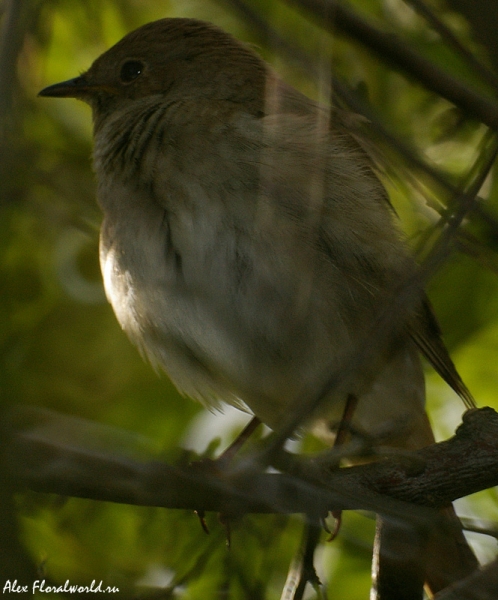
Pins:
x: 67, y: 588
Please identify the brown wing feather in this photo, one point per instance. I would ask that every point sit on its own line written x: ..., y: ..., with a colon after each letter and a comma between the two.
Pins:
x: 427, y: 335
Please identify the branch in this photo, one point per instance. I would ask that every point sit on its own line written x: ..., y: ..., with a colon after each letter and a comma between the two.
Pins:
x: 451, y: 469
x: 430, y: 478
x: 452, y: 41
x: 344, y: 95
x: 331, y: 15
x: 481, y: 585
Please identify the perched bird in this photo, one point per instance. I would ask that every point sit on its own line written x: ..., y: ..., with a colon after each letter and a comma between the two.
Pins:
x: 248, y: 246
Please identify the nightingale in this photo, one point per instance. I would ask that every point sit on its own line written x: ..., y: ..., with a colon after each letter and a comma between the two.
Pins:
x: 248, y: 246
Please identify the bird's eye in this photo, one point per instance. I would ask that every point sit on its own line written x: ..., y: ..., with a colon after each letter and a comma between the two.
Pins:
x: 130, y: 70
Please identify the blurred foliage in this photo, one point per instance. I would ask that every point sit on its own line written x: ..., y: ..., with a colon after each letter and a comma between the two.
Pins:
x: 63, y: 350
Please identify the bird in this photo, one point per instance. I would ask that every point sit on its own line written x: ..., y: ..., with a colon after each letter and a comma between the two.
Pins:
x: 248, y: 246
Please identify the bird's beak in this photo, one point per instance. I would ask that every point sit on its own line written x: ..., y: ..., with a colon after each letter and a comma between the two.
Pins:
x: 72, y: 88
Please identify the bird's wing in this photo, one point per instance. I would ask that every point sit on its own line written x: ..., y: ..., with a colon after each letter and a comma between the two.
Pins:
x: 426, y: 331
x: 427, y: 335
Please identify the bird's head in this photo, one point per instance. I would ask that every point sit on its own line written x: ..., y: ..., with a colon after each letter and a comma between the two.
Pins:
x: 178, y: 58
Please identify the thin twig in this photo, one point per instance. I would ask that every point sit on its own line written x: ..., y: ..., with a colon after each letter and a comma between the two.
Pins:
x: 334, y: 17
x: 344, y: 95
x: 302, y: 569
x: 269, y: 35
x: 451, y: 39
x: 489, y: 528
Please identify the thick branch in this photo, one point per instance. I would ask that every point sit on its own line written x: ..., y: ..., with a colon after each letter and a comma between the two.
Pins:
x: 433, y: 477
x: 458, y: 467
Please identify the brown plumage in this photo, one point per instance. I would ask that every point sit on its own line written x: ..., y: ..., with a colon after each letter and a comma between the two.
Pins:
x: 248, y: 247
